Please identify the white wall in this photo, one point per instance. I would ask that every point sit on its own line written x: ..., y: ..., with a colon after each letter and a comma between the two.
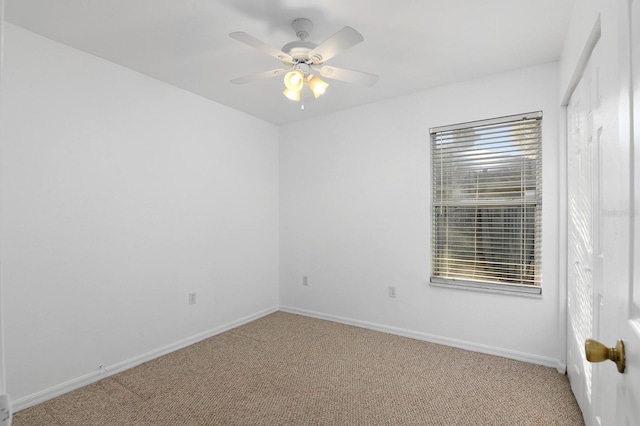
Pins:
x: 120, y: 195
x: 355, y: 218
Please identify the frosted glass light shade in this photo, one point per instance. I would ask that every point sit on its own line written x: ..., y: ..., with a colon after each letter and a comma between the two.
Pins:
x: 294, y: 95
x: 293, y: 80
x: 318, y: 87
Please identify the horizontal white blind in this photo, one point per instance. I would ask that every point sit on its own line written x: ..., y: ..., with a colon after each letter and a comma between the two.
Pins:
x: 487, y: 201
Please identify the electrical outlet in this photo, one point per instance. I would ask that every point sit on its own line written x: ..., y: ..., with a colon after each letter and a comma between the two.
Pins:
x: 392, y: 291
x: 5, y: 410
x: 192, y: 298
x: 305, y: 280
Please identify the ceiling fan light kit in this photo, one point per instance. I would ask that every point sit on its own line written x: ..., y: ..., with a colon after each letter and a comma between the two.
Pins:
x: 294, y: 95
x: 293, y: 80
x: 302, y: 56
x: 317, y: 86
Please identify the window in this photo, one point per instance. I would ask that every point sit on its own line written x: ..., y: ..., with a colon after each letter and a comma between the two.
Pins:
x: 487, y: 204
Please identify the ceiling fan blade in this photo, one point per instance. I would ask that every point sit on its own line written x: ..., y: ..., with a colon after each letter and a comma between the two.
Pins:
x: 259, y: 76
x: 262, y: 46
x: 347, y: 75
x: 339, y: 42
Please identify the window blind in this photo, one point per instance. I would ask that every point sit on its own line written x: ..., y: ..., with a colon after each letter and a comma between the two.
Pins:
x: 487, y: 203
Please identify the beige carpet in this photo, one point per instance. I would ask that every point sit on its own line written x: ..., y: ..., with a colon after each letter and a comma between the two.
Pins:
x: 287, y: 369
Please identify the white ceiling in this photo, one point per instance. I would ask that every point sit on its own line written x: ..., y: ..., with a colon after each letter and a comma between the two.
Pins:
x: 411, y: 44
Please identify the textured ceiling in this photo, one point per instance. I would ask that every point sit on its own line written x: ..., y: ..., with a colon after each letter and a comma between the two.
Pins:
x: 412, y: 45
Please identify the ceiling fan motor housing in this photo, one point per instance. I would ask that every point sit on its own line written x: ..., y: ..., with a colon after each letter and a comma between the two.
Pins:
x: 299, y: 49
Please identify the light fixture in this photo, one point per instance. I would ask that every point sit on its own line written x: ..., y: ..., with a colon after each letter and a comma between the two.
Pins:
x: 294, y: 95
x: 317, y: 86
x: 294, y: 82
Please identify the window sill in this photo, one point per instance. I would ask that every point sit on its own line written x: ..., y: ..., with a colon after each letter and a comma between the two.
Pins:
x: 510, y: 289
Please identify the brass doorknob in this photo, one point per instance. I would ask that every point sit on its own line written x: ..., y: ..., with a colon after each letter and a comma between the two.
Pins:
x: 597, y: 352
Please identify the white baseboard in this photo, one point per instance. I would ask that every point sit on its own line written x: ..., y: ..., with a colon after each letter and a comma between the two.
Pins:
x: 109, y: 370
x: 470, y: 346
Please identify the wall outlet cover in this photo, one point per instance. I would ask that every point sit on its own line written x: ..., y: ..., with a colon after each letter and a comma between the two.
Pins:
x: 5, y: 410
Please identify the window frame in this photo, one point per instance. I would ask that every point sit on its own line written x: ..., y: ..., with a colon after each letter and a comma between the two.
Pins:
x: 436, y: 278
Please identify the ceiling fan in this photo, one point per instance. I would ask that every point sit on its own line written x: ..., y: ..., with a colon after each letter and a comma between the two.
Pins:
x: 303, y: 58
